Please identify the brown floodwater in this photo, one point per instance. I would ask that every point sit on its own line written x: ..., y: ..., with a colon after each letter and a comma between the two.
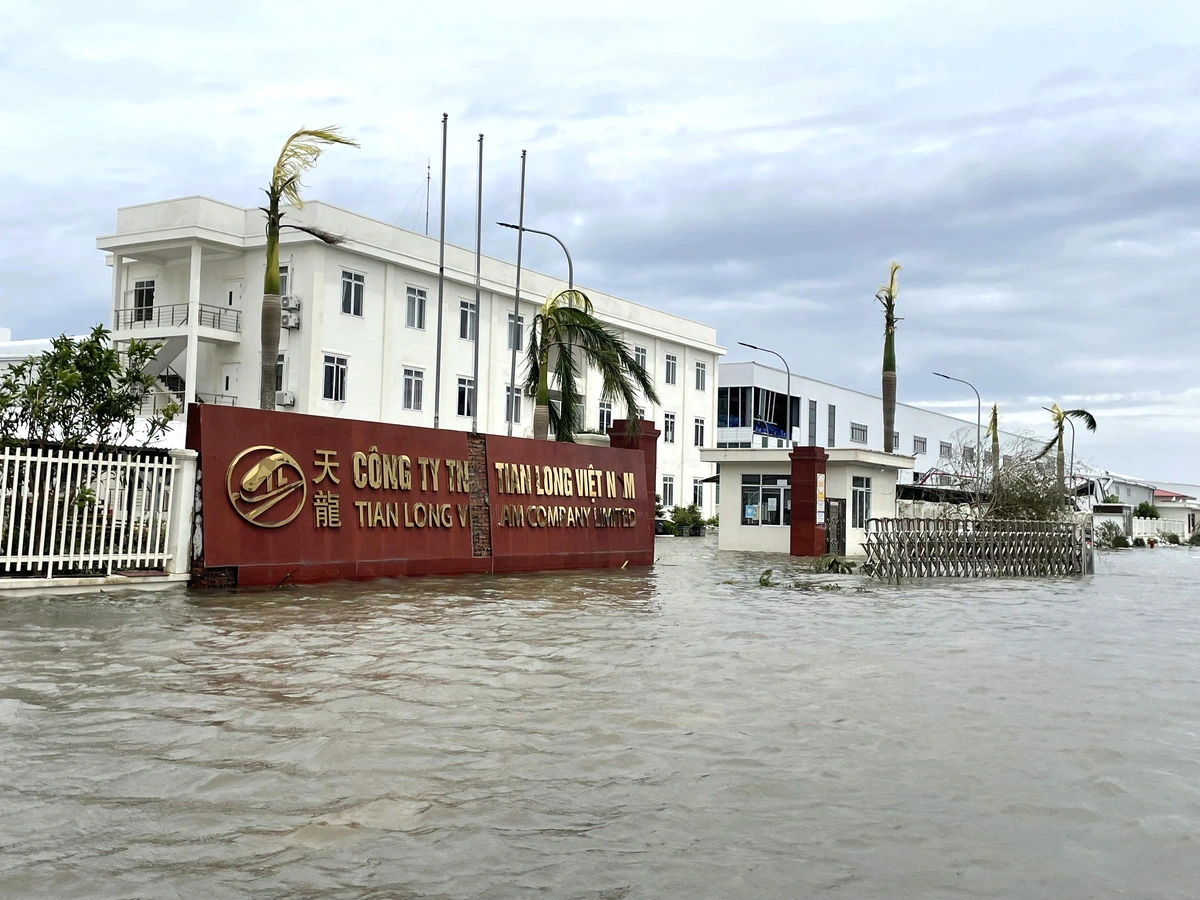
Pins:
x: 674, y: 732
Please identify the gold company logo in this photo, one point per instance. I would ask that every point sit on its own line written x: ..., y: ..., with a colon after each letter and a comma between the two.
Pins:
x: 266, y: 486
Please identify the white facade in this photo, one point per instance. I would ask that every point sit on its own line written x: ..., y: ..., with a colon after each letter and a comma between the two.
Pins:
x: 827, y: 415
x: 188, y: 274
x: 756, y: 483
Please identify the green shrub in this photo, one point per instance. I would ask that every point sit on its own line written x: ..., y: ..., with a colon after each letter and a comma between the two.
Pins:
x: 1194, y: 540
x: 1172, y: 538
x: 1146, y: 510
x: 1139, y: 542
x: 1108, y: 534
x: 1120, y: 542
x: 687, y: 516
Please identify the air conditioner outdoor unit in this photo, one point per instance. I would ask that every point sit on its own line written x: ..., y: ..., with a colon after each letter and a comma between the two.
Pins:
x: 289, y: 301
x: 285, y: 398
x: 289, y: 320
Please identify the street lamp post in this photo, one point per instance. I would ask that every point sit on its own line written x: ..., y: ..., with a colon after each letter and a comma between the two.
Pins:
x: 570, y: 265
x: 788, y: 393
x: 978, y: 424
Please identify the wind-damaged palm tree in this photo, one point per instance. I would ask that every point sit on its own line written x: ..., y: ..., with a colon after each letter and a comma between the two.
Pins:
x: 1060, y: 417
x: 566, y: 323
x: 887, y: 296
x: 993, y: 431
x: 299, y: 154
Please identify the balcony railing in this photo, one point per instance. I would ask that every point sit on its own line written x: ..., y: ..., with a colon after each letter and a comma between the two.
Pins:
x: 217, y: 399
x: 176, y: 316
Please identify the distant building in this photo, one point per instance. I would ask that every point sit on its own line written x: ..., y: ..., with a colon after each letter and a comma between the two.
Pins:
x: 360, y: 325
x: 752, y: 413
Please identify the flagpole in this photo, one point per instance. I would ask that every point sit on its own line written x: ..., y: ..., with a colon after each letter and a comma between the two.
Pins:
x: 478, y: 255
x: 437, y: 367
x: 512, y: 403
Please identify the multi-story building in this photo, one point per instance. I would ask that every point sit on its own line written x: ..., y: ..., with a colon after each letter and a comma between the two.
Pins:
x: 752, y: 412
x: 360, y: 326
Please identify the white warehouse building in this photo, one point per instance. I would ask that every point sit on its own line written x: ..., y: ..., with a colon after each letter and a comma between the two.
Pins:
x: 752, y: 413
x: 361, y: 320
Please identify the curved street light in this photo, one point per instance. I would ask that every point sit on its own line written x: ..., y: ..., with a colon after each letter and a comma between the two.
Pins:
x: 978, y: 423
x: 787, y: 394
x: 570, y: 265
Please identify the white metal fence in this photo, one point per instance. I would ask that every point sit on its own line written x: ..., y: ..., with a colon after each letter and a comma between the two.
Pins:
x: 1155, y: 528
x: 76, y: 513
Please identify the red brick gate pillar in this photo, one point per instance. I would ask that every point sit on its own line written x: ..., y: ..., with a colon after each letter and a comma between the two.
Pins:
x: 808, y: 489
x: 647, y: 442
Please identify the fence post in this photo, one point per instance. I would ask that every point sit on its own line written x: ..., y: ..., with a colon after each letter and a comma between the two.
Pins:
x: 183, y: 492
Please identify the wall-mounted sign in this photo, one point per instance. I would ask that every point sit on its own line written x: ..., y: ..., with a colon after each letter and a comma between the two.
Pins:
x: 314, y: 499
x: 820, y: 498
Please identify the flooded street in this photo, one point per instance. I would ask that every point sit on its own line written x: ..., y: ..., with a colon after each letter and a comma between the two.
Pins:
x: 678, y: 732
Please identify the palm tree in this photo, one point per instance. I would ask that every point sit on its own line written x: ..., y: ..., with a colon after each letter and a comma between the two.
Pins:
x: 993, y: 430
x: 300, y: 153
x: 887, y: 296
x: 565, y: 323
x: 1060, y: 417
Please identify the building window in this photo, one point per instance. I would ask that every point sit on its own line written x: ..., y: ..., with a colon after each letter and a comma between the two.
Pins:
x: 414, y: 388
x: 641, y: 412
x: 353, y: 286
x: 969, y: 455
x: 832, y: 425
x: 143, y: 301
x: 414, y: 314
x: 334, y: 387
x: 668, y: 491
x: 945, y: 451
x: 605, y: 416
x: 468, y: 320
x: 669, y: 427
x: 285, y: 281
x: 698, y: 492
x: 279, y: 372
x: 766, y: 500
x: 918, y: 445
x: 701, y: 376
x: 895, y: 442
x: 812, y: 423
x: 698, y: 432
x: 516, y: 331
x: 669, y: 374
x: 639, y: 356
x: 466, y: 396
x: 860, y: 494
x: 858, y: 433
x: 512, y: 404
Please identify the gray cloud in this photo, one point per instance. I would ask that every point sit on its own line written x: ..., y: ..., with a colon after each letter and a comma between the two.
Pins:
x: 757, y: 168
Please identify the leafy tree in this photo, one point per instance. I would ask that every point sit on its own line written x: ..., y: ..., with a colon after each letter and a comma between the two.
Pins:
x: 687, y: 516
x: 1146, y: 510
x: 79, y: 394
x: 566, y: 323
x: 887, y: 296
x: 1059, y: 417
x: 299, y: 154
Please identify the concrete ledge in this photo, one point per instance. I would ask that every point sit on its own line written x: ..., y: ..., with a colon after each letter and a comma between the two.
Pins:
x: 34, y: 587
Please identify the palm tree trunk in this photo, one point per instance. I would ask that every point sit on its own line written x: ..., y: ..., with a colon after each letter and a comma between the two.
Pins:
x: 889, y: 389
x: 541, y: 403
x: 1060, y: 465
x: 269, y: 338
x: 995, y: 459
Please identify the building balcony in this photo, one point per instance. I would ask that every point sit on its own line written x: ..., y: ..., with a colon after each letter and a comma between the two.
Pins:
x: 214, y: 323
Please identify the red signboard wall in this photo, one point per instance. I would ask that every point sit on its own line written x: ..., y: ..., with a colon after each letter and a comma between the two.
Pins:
x: 307, y: 498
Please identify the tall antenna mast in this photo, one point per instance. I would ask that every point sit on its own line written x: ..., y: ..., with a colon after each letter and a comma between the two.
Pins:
x: 428, y: 180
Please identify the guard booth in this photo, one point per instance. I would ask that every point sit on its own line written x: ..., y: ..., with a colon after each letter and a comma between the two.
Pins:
x: 804, y: 501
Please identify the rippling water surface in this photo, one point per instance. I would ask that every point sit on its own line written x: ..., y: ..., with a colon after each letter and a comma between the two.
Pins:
x: 679, y: 732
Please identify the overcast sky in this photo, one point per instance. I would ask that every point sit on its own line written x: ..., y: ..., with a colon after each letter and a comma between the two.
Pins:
x: 1035, y: 167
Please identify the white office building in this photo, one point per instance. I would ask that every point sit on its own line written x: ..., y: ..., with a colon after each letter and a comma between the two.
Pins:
x: 360, y: 325
x: 752, y: 412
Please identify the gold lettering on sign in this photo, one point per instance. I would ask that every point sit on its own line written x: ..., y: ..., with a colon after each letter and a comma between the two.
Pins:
x: 327, y: 509
x: 628, y: 486
x: 325, y: 463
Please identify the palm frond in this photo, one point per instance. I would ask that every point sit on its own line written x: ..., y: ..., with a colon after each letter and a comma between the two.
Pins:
x: 300, y: 152
x: 1081, y: 415
x: 1050, y: 445
x: 533, y: 356
x: 327, y: 236
x: 567, y: 421
x: 993, y: 428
